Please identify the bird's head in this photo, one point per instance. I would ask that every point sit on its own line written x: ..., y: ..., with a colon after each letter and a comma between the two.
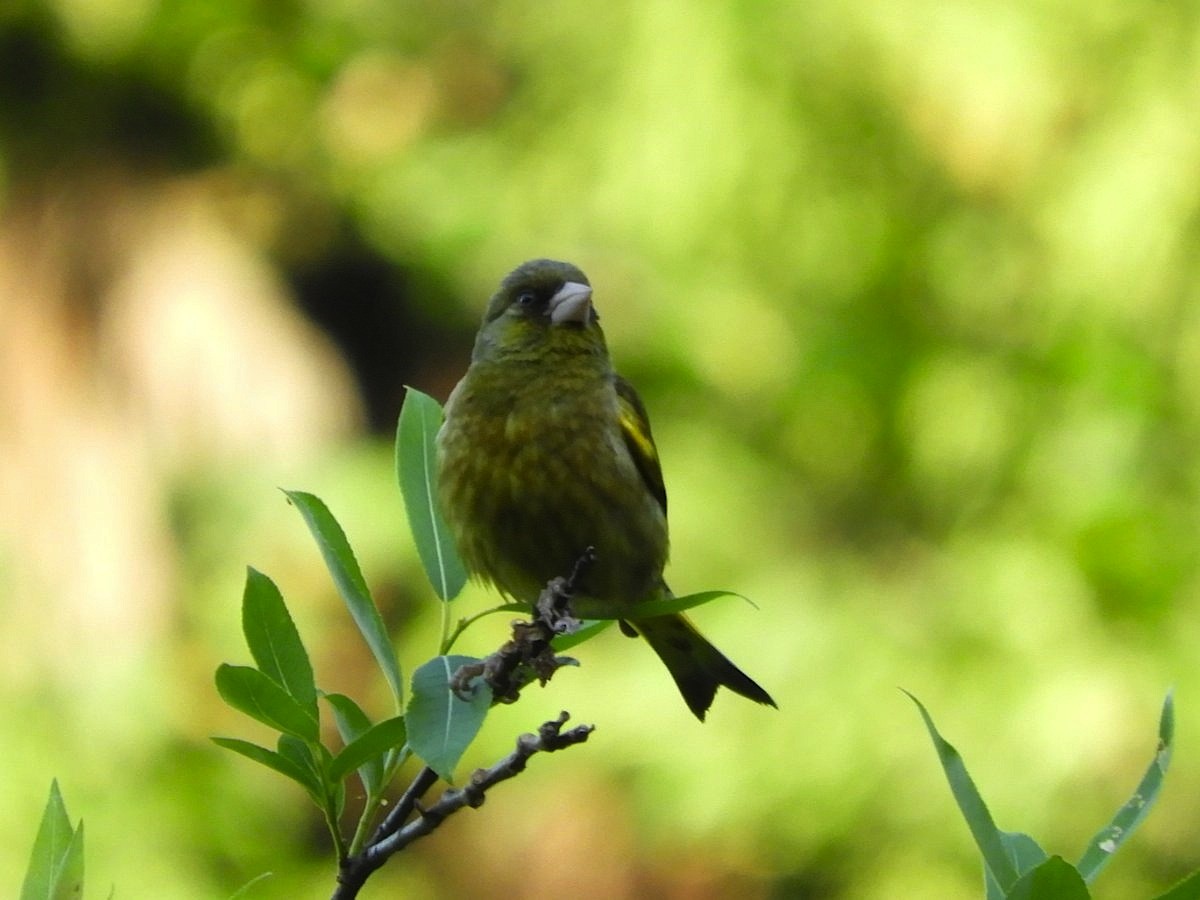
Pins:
x: 540, y: 302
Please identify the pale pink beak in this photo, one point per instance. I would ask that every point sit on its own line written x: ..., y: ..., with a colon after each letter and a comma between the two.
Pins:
x: 572, y: 303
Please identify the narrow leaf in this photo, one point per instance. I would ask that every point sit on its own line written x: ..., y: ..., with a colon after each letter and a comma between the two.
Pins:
x: 589, y: 630
x: 272, y: 760
x: 1054, y: 879
x: 314, y: 759
x: 68, y: 882
x: 369, y: 747
x: 244, y: 890
x: 350, y: 718
x: 352, y: 723
x: 274, y: 641
x: 1025, y: 855
x: 1188, y: 889
x: 56, y: 862
x: 253, y: 693
x: 300, y: 753
x: 970, y: 803
x: 1106, y: 842
x: 672, y: 605
x: 343, y: 567
x: 440, y: 724
x: 416, y: 470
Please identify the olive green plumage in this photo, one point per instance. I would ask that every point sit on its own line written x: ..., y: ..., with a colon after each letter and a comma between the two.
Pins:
x: 546, y: 451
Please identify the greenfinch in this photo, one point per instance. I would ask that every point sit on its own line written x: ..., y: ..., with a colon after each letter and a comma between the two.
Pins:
x: 545, y: 451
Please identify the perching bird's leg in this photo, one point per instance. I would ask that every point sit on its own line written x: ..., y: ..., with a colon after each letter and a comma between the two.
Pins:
x: 528, y: 655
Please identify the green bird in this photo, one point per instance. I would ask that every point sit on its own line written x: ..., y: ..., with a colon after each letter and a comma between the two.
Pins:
x: 546, y: 451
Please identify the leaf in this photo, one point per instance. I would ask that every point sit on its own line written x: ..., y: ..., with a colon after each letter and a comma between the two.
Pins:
x: 244, y: 890
x: 1188, y: 889
x: 1054, y: 879
x: 1025, y: 855
x: 299, y: 754
x: 343, y: 567
x: 55, y: 869
x: 441, y: 725
x: 49, y: 847
x: 970, y: 803
x: 589, y: 609
x: 1106, y: 842
x: 259, y: 697
x: 673, y: 605
x: 589, y: 630
x: 416, y: 471
x: 352, y: 722
x: 274, y: 641
x: 369, y: 747
x: 68, y: 881
x: 314, y: 758
x: 272, y: 760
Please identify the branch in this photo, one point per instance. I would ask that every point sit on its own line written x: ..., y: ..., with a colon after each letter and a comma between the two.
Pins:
x: 526, y: 657
x: 355, y: 870
x: 405, y: 805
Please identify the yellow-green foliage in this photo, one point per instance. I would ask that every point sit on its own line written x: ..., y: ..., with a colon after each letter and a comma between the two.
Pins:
x: 910, y: 292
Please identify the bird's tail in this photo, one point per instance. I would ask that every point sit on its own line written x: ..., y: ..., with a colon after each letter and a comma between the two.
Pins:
x: 697, y: 666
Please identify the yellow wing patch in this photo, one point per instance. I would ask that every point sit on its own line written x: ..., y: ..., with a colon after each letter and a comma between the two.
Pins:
x: 635, y: 429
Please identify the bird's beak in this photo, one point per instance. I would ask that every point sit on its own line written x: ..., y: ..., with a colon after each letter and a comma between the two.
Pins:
x: 572, y: 303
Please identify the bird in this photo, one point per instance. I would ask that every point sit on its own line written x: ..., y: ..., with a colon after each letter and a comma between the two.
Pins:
x: 545, y: 451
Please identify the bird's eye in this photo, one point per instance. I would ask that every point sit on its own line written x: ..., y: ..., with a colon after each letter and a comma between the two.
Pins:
x: 527, y: 299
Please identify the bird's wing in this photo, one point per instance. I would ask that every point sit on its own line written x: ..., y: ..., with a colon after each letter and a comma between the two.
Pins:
x: 635, y: 428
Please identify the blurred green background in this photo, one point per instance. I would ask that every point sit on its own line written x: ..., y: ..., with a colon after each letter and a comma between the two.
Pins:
x: 912, y: 292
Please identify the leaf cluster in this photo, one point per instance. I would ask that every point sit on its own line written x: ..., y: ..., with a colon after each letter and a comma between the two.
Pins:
x: 448, y: 699
x: 1017, y: 868
x: 434, y: 723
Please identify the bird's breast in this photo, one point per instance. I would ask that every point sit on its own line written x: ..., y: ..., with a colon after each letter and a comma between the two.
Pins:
x: 530, y: 479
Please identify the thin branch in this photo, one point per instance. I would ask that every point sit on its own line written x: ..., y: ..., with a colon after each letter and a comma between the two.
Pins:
x: 526, y: 657
x: 405, y: 805
x: 467, y: 621
x: 355, y: 871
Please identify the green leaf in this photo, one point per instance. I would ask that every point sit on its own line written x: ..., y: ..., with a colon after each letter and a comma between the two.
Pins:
x: 589, y: 630
x: 55, y: 869
x: 261, y: 698
x: 1188, y: 889
x: 274, y: 641
x: 244, y: 890
x: 69, y: 878
x: 441, y: 725
x: 369, y: 747
x: 1054, y: 879
x: 586, y: 608
x: 352, y: 723
x: 671, y: 605
x: 416, y: 471
x: 300, y: 774
x: 300, y: 754
x: 350, y: 718
x: 1025, y: 855
x: 343, y: 567
x: 1106, y: 842
x: 315, y: 759
x: 970, y: 803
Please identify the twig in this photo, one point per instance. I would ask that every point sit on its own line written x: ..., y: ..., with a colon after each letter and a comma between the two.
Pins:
x: 525, y: 657
x: 355, y: 871
x: 528, y: 655
x: 404, y: 806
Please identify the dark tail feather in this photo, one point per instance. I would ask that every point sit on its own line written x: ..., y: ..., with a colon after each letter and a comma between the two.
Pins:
x: 697, y: 666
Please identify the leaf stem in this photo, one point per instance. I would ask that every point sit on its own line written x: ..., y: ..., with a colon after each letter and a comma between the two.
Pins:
x: 445, y: 626
x: 467, y: 621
